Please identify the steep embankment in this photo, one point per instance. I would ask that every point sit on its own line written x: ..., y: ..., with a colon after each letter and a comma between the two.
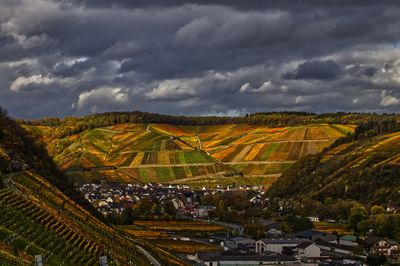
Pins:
x: 365, y: 169
x: 38, y: 218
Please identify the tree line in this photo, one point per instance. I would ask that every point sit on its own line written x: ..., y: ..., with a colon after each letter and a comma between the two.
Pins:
x: 62, y: 127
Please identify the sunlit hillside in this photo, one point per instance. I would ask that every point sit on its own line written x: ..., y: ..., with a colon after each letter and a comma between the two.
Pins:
x: 238, y: 154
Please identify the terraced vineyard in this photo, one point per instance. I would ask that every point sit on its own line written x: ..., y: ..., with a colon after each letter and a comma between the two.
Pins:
x: 36, y: 218
x: 135, y: 153
x: 364, y: 169
x: 263, y: 153
x: 42, y: 214
x: 196, y: 155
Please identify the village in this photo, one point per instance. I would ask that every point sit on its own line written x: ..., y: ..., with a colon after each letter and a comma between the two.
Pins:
x: 115, y: 197
x: 236, y: 246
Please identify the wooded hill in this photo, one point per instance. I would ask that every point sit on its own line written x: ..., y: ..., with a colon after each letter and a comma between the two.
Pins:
x: 74, y: 125
x: 363, y: 167
x: 38, y: 216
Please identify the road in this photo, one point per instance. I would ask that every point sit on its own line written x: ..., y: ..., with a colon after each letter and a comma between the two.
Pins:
x: 236, y: 227
x: 199, y: 141
x: 261, y: 162
x: 194, y: 178
x: 205, y: 164
x: 150, y: 257
x: 165, y: 165
x: 148, y: 128
x: 153, y: 260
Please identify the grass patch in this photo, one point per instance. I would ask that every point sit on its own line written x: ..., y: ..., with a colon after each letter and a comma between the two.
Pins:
x: 269, y: 150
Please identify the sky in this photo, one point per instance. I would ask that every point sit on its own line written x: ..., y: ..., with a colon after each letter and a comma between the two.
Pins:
x: 210, y: 57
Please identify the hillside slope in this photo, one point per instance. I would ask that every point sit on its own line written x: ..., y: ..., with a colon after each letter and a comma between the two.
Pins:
x: 365, y: 169
x: 209, y: 155
x: 37, y: 218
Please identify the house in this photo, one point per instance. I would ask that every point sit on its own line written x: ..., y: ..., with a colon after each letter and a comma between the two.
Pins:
x: 109, y: 200
x: 348, y: 240
x: 189, y: 197
x: 326, y: 237
x: 393, y: 207
x: 271, y: 227
x: 313, y: 235
x: 219, y: 238
x: 386, y: 247
x: 344, y: 262
x: 202, y: 211
x: 308, y: 250
x: 240, y: 258
x: 241, y: 243
x: 333, y: 248
x: 277, y: 245
x: 313, y: 218
x: 178, y: 204
x: 308, y: 234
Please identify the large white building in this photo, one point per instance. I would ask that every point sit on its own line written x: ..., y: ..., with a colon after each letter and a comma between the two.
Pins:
x: 245, y: 259
x: 241, y: 243
x: 308, y: 250
x: 277, y: 245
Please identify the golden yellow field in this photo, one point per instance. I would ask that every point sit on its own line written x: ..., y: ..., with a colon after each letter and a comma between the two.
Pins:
x: 170, y: 130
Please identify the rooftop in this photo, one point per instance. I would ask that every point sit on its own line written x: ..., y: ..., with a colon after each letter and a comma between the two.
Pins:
x: 304, y: 244
x: 240, y: 238
x: 320, y: 242
x: 283, y: 240
x: 349, y: 238
x: 308, y: 233
x: 239, y: 256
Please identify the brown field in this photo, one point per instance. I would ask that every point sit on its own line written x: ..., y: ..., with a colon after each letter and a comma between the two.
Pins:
x: 171, y: 130
x: 184, y: 247
x: 145, y: 234
x: 179, y: 226
x: 341, y: 229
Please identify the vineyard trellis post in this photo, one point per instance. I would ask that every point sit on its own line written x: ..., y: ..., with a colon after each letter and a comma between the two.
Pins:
x: 38, y: 260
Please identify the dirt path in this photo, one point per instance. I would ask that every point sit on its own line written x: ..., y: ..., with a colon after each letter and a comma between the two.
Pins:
x: 269, y: 175
x: 261, y: 162
x: 148, y: 128
x: 194, y: 178
x: 167, y: 165
x: 199, y: 141
x: 206, y: 164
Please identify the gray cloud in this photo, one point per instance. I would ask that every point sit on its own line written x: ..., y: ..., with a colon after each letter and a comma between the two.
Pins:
x: 315, y: 70
x: 72, y: 57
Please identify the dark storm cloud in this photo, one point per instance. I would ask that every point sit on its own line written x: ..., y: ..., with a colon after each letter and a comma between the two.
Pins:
x: 315, y: 70
x: 248, y: 4
x: 358, y: 70
x: 197, y: 57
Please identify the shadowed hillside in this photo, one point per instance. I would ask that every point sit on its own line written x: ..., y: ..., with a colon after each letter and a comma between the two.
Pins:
x: 364, y: 167
x: 37, y: 218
